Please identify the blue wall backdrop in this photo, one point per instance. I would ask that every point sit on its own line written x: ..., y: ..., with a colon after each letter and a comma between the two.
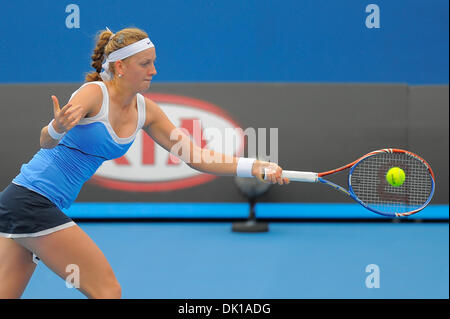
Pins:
x: 235, y: 40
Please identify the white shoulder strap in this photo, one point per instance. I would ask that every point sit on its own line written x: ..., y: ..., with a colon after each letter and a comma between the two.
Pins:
x: 103, y: 113
x: 141, y: 110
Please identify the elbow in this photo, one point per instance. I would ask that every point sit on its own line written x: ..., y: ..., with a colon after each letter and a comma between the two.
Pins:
x: 196, y: 166
x: 42, y: 143
x: 41, y: 139
x: 45, y: 144
x: 196, y: 160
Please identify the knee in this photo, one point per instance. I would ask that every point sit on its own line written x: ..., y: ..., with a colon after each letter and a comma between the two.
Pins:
x: 112, y: 290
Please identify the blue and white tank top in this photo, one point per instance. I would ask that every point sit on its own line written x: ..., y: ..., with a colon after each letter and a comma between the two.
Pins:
x: 60, y: 172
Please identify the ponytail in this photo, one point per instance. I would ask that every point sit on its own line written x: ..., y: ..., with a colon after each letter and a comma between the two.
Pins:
x: 97, y: 57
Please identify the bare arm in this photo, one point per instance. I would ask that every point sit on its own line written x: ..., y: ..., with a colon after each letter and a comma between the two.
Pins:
x: 176, y: 141
x: 70, y: 115
x: 46, y: 140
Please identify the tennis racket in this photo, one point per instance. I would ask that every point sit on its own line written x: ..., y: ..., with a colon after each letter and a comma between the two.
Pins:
x: 368, y: 186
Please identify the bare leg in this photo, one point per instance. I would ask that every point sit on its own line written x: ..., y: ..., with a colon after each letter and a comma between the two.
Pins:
x: 16, y: 268
x: 72, y: 246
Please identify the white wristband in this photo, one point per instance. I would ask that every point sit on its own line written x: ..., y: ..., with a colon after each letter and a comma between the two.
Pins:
x: 51, y: 131
x: 244, y: 167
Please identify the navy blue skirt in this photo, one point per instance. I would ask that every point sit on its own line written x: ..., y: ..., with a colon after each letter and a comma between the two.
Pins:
x: 25, y: 213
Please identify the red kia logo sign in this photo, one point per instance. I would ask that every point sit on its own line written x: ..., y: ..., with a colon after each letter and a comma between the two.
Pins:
x: 147, y: 167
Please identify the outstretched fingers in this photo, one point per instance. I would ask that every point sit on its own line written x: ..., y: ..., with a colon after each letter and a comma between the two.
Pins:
x: 74, y: 117
x: 56, y: 108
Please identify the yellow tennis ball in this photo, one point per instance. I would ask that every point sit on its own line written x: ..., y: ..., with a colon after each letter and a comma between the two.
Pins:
x: 395, y: 176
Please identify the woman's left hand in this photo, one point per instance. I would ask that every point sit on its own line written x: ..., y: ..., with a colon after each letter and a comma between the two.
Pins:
x: 268, y: 172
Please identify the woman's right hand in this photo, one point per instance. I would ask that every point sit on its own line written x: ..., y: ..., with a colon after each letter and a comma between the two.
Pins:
x: 67, y: 117
x: 268, y: 172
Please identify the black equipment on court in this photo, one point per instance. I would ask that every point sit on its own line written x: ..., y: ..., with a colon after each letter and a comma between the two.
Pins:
x: 252, y: 189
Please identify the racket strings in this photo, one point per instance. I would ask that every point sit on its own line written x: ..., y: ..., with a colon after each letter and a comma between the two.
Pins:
x: 369, y: 183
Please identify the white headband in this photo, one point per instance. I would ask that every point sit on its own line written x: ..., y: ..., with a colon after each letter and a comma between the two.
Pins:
x: 123, y: 53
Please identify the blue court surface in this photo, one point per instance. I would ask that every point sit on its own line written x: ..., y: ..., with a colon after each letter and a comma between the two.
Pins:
x: 294, y: 260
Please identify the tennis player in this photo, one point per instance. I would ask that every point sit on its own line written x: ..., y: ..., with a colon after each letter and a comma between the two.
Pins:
x: 99, y: 123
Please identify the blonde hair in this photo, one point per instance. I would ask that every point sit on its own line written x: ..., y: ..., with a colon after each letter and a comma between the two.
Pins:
x: 105, y: 45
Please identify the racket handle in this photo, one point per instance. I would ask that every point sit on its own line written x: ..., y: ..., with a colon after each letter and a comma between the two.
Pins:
x: 296, y: 176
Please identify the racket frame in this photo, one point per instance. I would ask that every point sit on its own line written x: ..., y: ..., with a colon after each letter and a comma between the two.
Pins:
x: 391, y: 150
x: 312, y: 177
